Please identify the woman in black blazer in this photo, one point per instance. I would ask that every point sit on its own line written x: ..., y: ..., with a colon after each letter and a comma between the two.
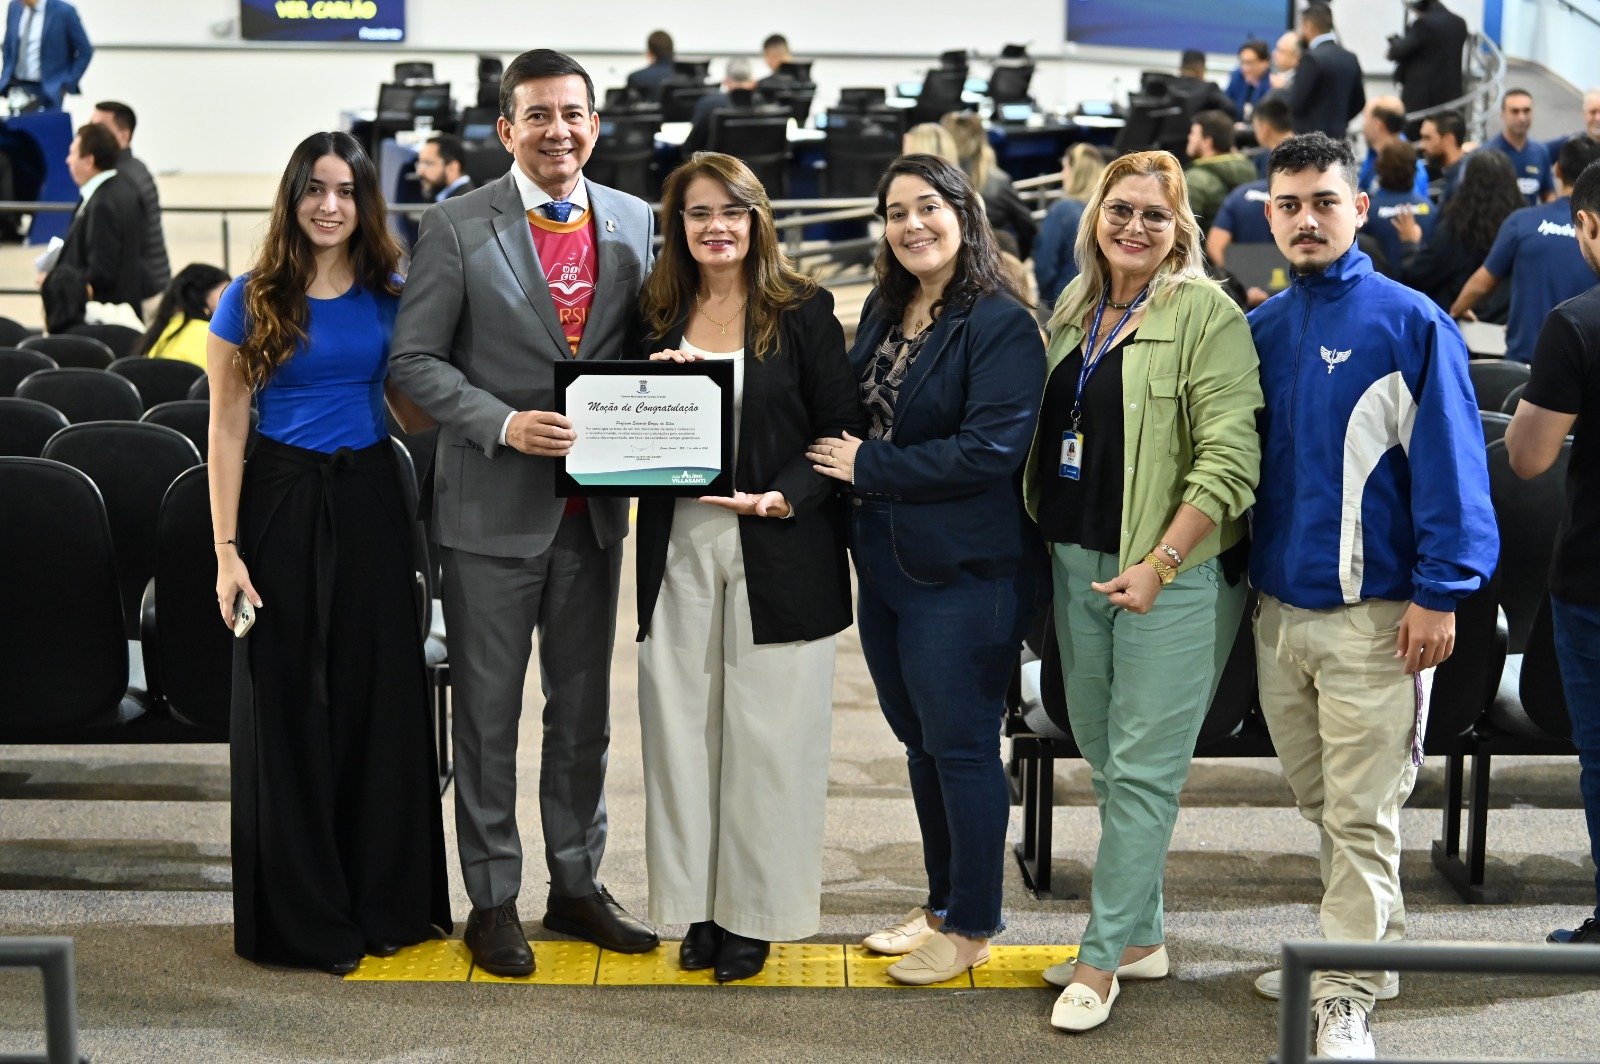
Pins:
x: 740, y: 597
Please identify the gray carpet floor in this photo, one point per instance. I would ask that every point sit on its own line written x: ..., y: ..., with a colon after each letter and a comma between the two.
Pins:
x: 125, y: 849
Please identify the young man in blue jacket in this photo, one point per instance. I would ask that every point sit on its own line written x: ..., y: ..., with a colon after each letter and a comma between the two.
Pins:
x: 1372, y: 520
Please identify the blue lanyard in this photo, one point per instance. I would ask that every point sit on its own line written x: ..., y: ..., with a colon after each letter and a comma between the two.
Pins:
x: 1091, y: 359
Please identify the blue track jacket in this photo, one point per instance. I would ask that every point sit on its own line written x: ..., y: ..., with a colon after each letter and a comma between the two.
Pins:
x: 1373, y: 478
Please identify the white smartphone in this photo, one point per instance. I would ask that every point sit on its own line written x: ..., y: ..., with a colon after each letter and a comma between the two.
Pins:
x: 244, y: 614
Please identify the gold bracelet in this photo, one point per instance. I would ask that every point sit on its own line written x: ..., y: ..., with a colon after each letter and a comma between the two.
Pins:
x: 1166, y: 572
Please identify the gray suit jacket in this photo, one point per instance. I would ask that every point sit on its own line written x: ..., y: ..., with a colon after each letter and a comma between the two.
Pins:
x: 477, y: 337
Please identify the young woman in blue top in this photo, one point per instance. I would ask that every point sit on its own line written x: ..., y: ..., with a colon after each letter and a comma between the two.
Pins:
x: 338, y: 848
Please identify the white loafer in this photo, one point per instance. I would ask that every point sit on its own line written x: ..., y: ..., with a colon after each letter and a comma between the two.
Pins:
x: 934, y: 961
x: 901, y: 938
x: 1080, y: 1009
x: 1155, y: 966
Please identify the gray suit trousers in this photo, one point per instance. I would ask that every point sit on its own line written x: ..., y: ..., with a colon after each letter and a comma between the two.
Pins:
x: 493, y: 607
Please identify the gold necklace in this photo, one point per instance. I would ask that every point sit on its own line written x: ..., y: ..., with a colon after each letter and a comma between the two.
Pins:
x: 722, y: 326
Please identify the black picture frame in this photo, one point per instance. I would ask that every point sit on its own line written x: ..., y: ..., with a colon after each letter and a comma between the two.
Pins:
x: 718, y: 371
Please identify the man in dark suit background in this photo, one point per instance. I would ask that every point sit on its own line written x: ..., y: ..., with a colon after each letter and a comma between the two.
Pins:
x: 645, y: 83
x: 106, y: 239
x: 1327, y: 91
x: 45, y: 51
x: 537, y: 267
x: 1427, y: 58
x: 121, y: 121
x: 1195, y: 91
x: 441, y: 167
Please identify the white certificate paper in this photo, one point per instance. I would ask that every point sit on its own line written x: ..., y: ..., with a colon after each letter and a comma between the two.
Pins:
x: 645, y: 430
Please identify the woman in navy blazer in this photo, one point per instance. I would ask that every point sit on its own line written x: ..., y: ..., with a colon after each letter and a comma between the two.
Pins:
x: 951, y: 368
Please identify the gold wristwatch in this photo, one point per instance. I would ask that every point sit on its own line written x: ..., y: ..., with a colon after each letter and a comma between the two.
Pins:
x: 1165, y: 571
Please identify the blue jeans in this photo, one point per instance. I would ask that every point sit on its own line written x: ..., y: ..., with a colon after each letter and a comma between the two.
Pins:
x: 941, y: 656
x: 1577, y: 638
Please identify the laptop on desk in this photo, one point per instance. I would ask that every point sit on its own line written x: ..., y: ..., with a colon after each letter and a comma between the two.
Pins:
x: 1259, y: 266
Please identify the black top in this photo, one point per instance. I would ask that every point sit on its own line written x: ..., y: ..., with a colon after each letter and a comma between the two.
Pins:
x: 1086, y: 511
x: 798, y: 576
x: 880, y: 385
x: 1566, y: 379
x: 106, y: 243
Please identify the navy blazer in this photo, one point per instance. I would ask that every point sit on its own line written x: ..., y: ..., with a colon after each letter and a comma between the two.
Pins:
x: 963, y: 423
x: 64, y: 52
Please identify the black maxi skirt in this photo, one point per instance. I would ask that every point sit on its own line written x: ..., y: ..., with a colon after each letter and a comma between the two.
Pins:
x: 338, y: 844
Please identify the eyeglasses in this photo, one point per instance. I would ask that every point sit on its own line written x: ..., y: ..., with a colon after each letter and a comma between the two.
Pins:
x: 731, y: 216
x: 1120, y: 214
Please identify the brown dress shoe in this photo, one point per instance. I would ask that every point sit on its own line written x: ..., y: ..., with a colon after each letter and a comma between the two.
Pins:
x: 495, y: 938
x: 599, y: 919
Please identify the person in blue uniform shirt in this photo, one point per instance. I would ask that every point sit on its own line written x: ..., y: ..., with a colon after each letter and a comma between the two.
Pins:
x: 1383, y: 124
x: 45, y: 52
x: 1396, y: 193
x: 1537, y: 249
x: 1529, y: 158
x: 1242, y: 219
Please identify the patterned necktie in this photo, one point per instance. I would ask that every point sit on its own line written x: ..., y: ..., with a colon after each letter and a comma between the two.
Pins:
x: 556, y: 210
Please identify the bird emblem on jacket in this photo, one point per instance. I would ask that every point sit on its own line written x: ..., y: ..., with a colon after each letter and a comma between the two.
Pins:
x: 1333, y: 358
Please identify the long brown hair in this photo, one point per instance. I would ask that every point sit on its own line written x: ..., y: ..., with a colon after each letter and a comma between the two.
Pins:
x: 772, y: 285
x: 979, y: 269
x: 275, y: 290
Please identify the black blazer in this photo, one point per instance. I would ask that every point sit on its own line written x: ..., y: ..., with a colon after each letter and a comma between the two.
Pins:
x: 106, y: 242
x: 646, y: 81
x: 157, y: 270
x: 796, y: 567
x: 1428, y: 58
x: 1327, y: 91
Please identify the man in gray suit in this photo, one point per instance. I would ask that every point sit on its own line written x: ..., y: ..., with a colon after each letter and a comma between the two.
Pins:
x: 538, y: 266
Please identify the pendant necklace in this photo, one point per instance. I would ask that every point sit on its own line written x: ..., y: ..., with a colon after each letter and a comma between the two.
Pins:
x: 722, y: 326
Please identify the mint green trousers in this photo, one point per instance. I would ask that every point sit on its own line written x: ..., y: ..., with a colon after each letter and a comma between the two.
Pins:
x: 1138, y: 688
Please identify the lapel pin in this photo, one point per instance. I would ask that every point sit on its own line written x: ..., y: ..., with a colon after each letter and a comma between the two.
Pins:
x: 611, y: 227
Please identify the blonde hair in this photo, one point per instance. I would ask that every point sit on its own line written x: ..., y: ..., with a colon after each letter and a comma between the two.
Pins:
x: 930, y: 138
x: 973, y: 153
x: 1184, y: 263
x: 1087, y: 165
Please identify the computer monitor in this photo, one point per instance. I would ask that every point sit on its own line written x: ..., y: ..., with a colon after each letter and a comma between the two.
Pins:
x: 859, y: 99
x: 1016, y: 112
x: 394, y: 103
x: 695, y: 70
x: 478, y: 124
x: 796, y: 69
x: 433, y: 101
x: 910, y: 90
x: 1097, y: 108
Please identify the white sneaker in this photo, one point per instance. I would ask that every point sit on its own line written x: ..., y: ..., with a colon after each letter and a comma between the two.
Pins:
x: 1080, y: 1009
x: 901, y: 938
x: 1156, y: 966
x: 1344, y: 1029
x: 1270, y: 985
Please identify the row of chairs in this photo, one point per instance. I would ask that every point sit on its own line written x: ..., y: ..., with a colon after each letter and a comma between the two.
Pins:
x: 1500, y: 691
x: 1498, y: 383
x: 140, y: 654
x: 154, y: 380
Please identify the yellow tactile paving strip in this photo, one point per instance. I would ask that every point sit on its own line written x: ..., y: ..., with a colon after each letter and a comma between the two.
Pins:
x: 791, y: 965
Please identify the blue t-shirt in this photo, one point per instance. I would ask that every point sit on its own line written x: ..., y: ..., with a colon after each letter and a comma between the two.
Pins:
x: 1538, y: 249
x: 1367, y: 180
x: 1381, y: 213
x: 1244, y: 214
x: 1532, y: 167
x: 329, y: 394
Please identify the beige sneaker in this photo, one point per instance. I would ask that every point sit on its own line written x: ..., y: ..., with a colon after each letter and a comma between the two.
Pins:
x: 901, y: 938
x: 935, y: 961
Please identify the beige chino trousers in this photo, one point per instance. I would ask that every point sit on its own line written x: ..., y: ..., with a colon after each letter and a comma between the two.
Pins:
x: 1343, y: 715
x: 735, y: 739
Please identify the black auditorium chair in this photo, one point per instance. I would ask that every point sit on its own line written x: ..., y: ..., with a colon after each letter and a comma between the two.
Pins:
x: 84, y: 394
x: 200, y: 389
x: 82, y: 351
x: 192, y: 417
x: 430, y: 616
x: 860, y: 146
x: 185, y: 642
x: 25, y: 425
x: 1513, y: 397
x: 1494, y: 425
x: 759, y: 139
x: 16, y: 363
x: 12, y: 333
x: 65, y: 662
x: 941, y: 94
x: 486, y: 162
x: 133, y: 465
x: 624, y: 151
x: 1494, y: 378
x: 159, y: 380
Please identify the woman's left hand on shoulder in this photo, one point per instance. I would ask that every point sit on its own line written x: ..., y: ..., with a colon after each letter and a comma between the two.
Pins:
x: 748, y: 504
x: 674, y: 355
x: 1134, y: 589
x: 835, y: 457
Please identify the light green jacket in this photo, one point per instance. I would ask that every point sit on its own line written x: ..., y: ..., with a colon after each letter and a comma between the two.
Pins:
x: 1191, y: 388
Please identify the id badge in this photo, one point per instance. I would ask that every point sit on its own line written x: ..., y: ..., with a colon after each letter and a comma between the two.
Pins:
x: 1071, y: 455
